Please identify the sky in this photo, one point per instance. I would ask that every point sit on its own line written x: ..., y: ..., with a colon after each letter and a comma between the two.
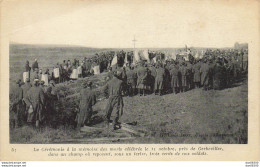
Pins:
x: 114, y: 24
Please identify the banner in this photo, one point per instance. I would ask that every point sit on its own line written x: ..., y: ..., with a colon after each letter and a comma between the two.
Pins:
x: 114, y: 61
x: 136, y: 56
x: 45, y: 79
x: 25, y: 76
x: 146, y: 55
x: 79, y: 70
x: 74, y: 74
x: 56, y: 72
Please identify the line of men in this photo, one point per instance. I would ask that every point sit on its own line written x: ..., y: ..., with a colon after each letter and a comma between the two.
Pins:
x: 216, y: 70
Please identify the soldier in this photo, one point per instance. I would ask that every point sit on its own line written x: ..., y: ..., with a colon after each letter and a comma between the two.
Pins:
x: 204, y: 71
x: 36, y: 99
x: 16, y: 107
x: 142, y: 74
x: 196, y: 72
x: 114, y: 91
x: 175, y: 83
x: 152, y: 76
x: 218, y: 72
x: 184, y: 76
x: 52, y: 97
x: 189, y: 76
x: 131, y: 81
x: 27, y: 69
x: 159, y: 80
x: 87, y: 100
x: 124, y: 79
x: 35, y: 65
x: 26, y: 87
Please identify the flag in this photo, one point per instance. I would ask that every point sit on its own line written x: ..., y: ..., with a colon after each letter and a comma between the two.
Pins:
x: 56, y: 72
x: 136, y: 56
x: 154, y: 59
x: 197, y: 55
x: 146, y: 55
x: 114, y: 61
x: 126, y: 61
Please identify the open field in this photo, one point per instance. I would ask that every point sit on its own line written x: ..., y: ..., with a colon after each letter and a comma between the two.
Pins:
x: 196, y: 116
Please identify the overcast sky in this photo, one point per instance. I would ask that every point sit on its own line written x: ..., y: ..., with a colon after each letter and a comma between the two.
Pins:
x: 115, y: 23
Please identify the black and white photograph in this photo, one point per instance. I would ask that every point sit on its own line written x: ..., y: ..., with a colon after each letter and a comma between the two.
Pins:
x: 130, y: 73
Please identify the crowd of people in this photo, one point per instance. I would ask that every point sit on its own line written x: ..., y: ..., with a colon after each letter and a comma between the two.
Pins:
x: 33, y: 98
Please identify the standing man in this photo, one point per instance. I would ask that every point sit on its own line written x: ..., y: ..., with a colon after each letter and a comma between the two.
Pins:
x: 52, y: 97
x: 196, y: 72
x: 26, y: 87
x: 27, y: 71
x: 142, y: 75
x: 87, y: 100
x: 131, y: 81
x: 16, y: 107
x: 159, y: 79
x: 35, y: 98
x: 184, y: 77
x: 175, y: 83
x: 115, y: 99
x: 204, y: 70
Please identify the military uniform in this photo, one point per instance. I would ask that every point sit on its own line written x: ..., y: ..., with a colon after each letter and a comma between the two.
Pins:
x: 131, y: 81
x: 159, y: 80
x: 175, y: 83
x: 87, y: 100
x: 204, y: 70
x: 196, y: 71
x: 114, y: 90
x: 184, y: 78
x: 36, y: 98
x: 16, y: 112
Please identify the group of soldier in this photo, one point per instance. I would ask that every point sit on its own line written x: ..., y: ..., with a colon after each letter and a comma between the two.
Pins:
x: 217, y: 69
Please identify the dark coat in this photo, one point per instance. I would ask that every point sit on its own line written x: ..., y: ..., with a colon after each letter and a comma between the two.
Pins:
x: 36, y: 98
x: 87, y: 100
x: 184, y: 75
x: 142, y: 76
x: 159, y: 79
x: 131, y: 78
x: 175, y: 73
x: 204, y: 70
x: 196, y: 71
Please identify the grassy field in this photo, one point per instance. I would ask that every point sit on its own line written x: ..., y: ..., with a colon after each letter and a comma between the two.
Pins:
x: 196, y: 116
